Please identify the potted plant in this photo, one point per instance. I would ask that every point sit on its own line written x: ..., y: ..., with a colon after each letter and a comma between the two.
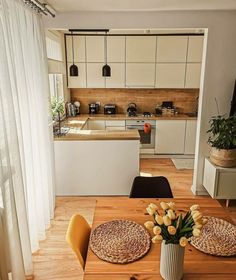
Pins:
x: 174, y: 230
x: 223, y: 140
x: 57, y: 110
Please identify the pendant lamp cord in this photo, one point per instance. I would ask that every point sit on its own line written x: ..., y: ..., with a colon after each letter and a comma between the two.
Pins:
x: 72, y: 47
x: 105, y: 49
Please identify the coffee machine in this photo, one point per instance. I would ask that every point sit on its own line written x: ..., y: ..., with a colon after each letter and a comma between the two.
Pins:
x: 93, y: 108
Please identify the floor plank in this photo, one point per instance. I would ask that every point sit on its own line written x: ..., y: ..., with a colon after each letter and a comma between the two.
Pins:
x: 56, y: 261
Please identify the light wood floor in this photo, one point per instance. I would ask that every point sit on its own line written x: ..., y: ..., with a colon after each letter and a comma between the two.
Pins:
x: 55, y: 260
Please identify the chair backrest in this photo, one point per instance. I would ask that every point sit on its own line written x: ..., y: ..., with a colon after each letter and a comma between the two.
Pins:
x: 151, y: 187
x: 77, y: 236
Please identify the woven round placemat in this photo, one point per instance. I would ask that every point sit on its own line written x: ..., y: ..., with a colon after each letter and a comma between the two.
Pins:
x: 120, y: 241
x: 218, y: 238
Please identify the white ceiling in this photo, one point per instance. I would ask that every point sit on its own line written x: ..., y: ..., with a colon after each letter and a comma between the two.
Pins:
x: 140, y: 5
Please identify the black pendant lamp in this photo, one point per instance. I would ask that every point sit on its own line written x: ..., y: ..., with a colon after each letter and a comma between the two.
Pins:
x: 74, y: 72
x: 106, y: 69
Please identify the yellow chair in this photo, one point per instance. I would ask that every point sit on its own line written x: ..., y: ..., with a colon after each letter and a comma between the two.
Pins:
x: 77, y: 236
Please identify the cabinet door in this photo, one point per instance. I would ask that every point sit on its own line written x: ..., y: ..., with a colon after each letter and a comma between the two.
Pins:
x: 193, y: 74
x: 117, y: 79
x: 120, y: 123
x: 172, y: 48
x: 140, y: 48
x: 79, y: 48
x: 95, y: 48
x: 190, y: 137
x: 140, y: 74
x: 80, y: 81
x: 170, y: 135
x: 195, y: 47
x: 96, y: 125
x: 170, y: 75
x: 116, y: 49
x: 94, y: 75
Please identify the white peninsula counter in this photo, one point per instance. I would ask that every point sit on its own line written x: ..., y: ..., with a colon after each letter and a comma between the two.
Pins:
x: 95, y: 162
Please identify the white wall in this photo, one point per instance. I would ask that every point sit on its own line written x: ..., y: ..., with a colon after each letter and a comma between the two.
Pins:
x: 220, y: 70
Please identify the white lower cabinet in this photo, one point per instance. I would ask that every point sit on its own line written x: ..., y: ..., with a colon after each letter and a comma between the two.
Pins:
x: 115, y: 125
x: 190, y: 137
x: 170, y: 136
x: 96, y: 125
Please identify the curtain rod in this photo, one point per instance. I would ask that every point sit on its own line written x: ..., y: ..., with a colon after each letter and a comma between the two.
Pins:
x: 39, y: 7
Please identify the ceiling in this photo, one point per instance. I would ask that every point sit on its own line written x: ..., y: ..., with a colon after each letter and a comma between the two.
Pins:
x: 140, y: 5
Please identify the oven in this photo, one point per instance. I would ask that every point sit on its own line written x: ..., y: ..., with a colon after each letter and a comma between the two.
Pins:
x: 147, y: 140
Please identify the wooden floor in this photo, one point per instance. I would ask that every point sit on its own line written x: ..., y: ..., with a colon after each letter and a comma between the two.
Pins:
x: 55, y: 260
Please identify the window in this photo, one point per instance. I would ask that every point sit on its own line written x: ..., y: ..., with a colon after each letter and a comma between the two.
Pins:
x: 56, y: 86
x: 53, y: 46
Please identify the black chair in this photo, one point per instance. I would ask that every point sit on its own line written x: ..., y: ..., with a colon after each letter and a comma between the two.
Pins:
x: 150, y: 187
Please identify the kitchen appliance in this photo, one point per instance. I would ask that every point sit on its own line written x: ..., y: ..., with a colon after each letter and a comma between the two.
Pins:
x: 147, y: 140
x: 93, y: 108
x: 132, y: 110
x: 109, y: 109
x: 147, y: 114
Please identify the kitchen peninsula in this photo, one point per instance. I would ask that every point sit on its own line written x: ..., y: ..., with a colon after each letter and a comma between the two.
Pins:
x: 95, y: 162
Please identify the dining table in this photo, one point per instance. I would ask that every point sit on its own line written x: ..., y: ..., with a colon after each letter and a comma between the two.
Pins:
x: 197, y: 265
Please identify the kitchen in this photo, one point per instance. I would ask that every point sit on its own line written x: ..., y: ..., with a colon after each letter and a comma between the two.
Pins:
x: 99, y: 98
x: 152, y: 87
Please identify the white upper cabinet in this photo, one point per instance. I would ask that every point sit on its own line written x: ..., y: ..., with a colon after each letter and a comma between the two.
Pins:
x: 195, y: 48
x: 94, y: 75
x: 95, y: 48
x: 79, y: 48
x: 170, y: 75
x: 140, y: 74
x: 193, y: 74
x: 140, y: 48
x: 116, y: 49
x: 171, y: 48
x: 79, y: 81
x: 117, y: 79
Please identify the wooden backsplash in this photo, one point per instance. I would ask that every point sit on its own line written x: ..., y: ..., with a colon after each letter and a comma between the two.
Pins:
x: 146, y: 99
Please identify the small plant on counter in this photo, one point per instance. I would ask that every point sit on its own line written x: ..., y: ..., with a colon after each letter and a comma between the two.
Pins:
x: 174, y: 228
x: 57, y: 110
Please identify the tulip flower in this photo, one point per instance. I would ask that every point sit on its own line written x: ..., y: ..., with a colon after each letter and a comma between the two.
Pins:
x: 167, y: 220
x: 183, y: 241
x: 171, y: 214
x: 149, y: 225
x: 194, y: 207
x: 164, y: 205
x: 171, y: 230
x: 157, y: 230
x: 157, y: 238
x: 159, y: 220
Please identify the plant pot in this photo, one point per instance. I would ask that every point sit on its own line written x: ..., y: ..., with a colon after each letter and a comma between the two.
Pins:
x: 172, y: 261
x: 223, y: 158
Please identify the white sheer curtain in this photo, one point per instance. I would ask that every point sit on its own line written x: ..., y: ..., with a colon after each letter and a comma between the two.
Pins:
x: 26, y: 148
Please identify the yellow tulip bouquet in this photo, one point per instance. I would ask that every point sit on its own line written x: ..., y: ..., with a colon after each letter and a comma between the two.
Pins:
x: 172, y: 227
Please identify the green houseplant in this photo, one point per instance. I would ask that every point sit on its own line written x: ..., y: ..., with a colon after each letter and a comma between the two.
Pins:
x: 57, y: 110
x: 223, y: 140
